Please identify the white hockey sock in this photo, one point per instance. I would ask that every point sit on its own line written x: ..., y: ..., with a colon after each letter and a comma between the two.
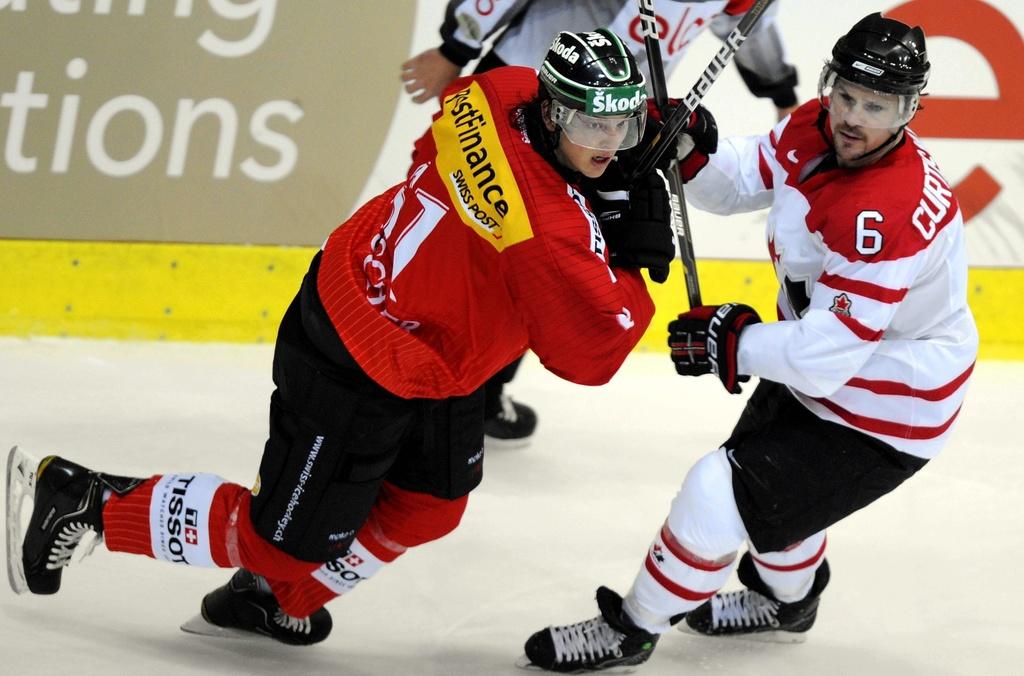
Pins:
x: 694, y: 553
x: 790, y: 573
x: 673, y: 580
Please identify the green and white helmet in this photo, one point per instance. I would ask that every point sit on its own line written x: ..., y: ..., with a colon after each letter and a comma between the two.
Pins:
x: 599, y: 95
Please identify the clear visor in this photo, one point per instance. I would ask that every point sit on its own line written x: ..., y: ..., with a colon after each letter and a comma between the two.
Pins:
x: 858, y: 106
x: 613, y: 132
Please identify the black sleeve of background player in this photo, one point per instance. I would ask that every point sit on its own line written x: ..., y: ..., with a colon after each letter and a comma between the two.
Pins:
x: 457, y: 52
x: 460, y: 53
x: 781, y: 91
x: 761, y: 61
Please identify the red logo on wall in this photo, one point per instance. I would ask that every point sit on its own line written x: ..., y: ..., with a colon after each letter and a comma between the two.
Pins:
x: 681, y: 36
x: 989, y: 31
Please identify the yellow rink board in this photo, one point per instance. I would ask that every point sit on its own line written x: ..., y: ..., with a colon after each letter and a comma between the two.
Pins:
x: 202, y: 292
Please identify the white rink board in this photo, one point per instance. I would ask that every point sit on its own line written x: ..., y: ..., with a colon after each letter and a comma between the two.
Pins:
x: 995, y: 235
x: 924, y: 581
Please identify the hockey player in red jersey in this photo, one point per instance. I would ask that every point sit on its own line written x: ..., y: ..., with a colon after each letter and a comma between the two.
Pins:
x: 523, y: 30
x: 493, y: 244
x: 862, y: 377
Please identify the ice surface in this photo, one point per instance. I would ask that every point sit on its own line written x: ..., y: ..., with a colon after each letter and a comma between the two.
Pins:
x: 925, y: 581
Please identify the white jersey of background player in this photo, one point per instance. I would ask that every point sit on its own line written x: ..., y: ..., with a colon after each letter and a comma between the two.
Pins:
x: 861, y: 379
x: 530, y: 25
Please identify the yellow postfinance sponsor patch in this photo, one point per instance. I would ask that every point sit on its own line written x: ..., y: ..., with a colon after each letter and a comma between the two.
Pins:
x: 476, y: 172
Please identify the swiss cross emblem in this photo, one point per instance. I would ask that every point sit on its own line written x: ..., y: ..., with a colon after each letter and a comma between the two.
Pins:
x: 191, y: 536
x: 841, y: 304
x: 353, y: 560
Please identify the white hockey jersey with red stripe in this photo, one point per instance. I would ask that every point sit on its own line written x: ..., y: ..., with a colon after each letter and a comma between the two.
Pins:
x: 532, y: 25
x: 874, y: 332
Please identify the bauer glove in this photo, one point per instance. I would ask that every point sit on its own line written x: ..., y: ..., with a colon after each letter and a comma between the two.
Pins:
x: 706, y: 340
x: 638, y: 227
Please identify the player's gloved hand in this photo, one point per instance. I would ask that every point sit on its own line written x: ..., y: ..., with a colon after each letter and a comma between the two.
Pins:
x: 696, y: 142
x: 706, y: 340
x: 638, y: 229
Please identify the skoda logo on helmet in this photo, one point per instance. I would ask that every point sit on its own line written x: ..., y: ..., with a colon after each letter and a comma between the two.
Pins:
x: 567, y: 52
x: 615, y: 100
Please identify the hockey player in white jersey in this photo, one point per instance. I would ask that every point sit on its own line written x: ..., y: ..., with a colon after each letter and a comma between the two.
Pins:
x: 861, y: 379
x: 529, y: 26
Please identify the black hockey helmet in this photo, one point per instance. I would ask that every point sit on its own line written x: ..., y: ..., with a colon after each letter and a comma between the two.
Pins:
x: 590, y: 76
x: 884, y: 56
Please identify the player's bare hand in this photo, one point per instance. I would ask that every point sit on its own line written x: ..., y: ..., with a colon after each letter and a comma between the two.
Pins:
x: 427, y: 74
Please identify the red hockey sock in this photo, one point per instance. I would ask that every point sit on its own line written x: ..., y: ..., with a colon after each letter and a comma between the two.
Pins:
x: 126, y: 520
x: 196, y: 519
x: 200, y: 519
x: 181, y: 518
x: 400, y: 519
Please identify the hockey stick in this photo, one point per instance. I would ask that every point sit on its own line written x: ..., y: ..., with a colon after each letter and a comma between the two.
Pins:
x: 678, y: 119
x: 680, y: 218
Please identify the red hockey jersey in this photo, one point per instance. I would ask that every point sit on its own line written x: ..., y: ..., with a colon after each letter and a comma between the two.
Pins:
x: 484, y: 251
x: 872, y: 268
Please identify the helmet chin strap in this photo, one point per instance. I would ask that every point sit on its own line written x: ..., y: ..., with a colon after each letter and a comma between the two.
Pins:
x: 556, y: 150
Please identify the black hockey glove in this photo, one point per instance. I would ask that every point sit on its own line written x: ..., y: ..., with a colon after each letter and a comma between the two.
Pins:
x: 706, y: 340
x: 638, y: 229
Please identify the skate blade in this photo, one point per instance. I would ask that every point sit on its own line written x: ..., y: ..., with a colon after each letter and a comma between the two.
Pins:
x: 524, y: 663
x: 21, y: 486
x: 200, y: 627
x: 496, y: 444
x: 754, y: 637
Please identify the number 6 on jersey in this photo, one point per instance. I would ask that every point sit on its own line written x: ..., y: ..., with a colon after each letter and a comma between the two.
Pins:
x: 869, y: 241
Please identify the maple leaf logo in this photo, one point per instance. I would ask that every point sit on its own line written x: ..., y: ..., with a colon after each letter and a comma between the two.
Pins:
x: 841, y: 305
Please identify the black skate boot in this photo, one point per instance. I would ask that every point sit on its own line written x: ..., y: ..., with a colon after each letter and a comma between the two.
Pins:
x: 67, y: 506
x: 511, y: 426
x: 245, y: 605
x: 755, y: 613
x: 608, y: 641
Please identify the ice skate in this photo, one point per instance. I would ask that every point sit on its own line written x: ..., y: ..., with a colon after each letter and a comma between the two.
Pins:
x: 67, y: 506
x: 748, y: 614
x: 511, y: 427
x: 246, y: 608
x: 608, y: 642
x: 753, y: 613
